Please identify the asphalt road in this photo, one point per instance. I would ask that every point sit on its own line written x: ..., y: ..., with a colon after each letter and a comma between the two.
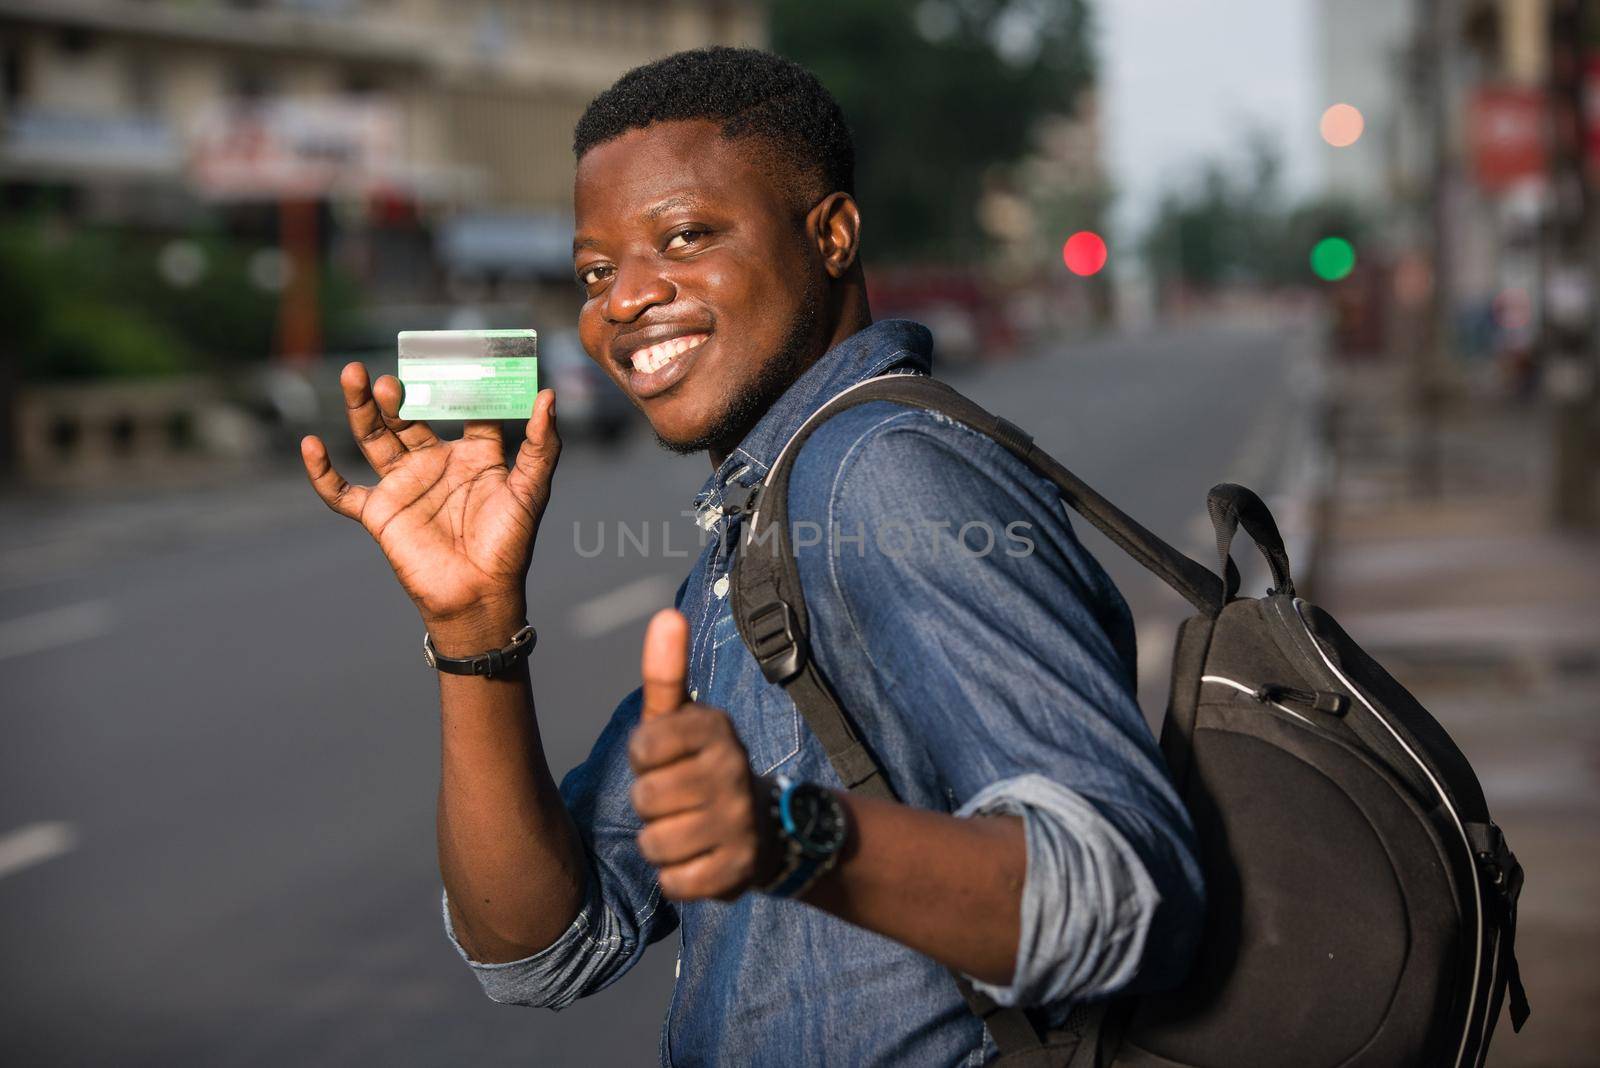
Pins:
x: 220, y: 753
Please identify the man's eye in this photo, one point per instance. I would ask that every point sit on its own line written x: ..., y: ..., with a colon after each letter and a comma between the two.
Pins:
x: 591, y: 275
x: 688, y: 236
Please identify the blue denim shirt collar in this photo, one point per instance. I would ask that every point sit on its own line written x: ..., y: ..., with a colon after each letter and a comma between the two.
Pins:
x: 889, y: 344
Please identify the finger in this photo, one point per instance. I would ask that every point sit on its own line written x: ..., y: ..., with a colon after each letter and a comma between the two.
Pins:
x: 676, y: 788
x: 675, y: 839
x: 335, y: 492
x: 486, y: 429
x: 723, y: 872
x: 665, y: 663
x: 390, y: 393
x: 665, y: 740
x: 378, y: 443
x: 535, y: 465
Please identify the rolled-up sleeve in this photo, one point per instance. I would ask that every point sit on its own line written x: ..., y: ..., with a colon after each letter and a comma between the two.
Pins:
x: 563, y: 971
x: 982, y: 649
x: 1087, y: 901
x: 623, y: 910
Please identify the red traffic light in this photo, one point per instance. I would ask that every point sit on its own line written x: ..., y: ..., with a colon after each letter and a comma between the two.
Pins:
x: 1084, y: 253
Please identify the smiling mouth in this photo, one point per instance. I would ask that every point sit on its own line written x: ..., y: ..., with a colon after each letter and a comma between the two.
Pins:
x: 650, y: 360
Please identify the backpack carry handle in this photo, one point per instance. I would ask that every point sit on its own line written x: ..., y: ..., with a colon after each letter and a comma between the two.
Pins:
x: 1232, y: 506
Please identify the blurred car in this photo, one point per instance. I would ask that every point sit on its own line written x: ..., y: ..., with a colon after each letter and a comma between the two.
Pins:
x: 968, y: 324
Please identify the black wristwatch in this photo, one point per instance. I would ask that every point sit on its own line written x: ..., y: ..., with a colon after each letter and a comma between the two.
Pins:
x: 492, y: 663
x: 812, y: 828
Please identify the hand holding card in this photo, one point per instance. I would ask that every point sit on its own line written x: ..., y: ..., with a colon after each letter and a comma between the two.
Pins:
x: 456, y: 520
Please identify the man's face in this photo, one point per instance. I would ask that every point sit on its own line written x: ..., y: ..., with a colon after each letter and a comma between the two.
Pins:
x: 702, y: 296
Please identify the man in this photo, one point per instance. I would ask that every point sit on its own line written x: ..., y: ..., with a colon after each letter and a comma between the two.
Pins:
x: 1037, y: 848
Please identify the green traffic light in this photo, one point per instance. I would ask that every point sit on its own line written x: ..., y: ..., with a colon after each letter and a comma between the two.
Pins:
x: 1333, y: 258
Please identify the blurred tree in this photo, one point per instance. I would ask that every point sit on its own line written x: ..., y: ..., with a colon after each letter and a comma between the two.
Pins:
x: 936, y: 92
x: 1235, y: 226
x: 90, y: 303
x: 226, y: 313
x: 59, y: 325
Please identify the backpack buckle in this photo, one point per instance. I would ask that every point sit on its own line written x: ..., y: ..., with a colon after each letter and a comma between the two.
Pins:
x: 741, y: 500
x: 775, y: 642
x: 1497, y: 865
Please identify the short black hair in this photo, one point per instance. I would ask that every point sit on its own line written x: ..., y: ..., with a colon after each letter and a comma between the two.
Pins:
x: 752, y: 93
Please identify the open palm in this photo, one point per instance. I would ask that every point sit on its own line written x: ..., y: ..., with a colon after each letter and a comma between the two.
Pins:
x: 456, y: 524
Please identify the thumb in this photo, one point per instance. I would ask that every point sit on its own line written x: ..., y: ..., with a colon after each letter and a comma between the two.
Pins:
x: 665, y: 663
x: 529, y: 480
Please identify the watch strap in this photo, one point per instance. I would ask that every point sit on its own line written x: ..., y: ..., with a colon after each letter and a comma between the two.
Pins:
x: 800, y: 878
x: 798, y: 869
x: 491, y: 663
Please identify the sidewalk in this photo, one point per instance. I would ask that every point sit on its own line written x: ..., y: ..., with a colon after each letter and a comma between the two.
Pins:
x: 1493, y: 620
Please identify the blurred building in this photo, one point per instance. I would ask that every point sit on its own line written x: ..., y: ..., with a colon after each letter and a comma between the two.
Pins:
x: 433, y: 136
x: 1059, y: 187
x: 1481, y: 163
x: 1365, y: 47
x: 1453, y: 159
x: 366, y: 166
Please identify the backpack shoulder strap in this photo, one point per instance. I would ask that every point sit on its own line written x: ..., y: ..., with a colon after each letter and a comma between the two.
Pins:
x: 770, y: 612
x: 769, y: 604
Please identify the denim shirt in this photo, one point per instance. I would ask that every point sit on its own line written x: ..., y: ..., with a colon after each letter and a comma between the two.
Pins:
x: 984, y: 681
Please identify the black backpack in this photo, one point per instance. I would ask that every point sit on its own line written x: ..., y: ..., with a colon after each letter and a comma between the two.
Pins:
x: 1361, y: 902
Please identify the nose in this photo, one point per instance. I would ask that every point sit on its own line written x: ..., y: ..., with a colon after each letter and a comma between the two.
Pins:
x: 634, y: 289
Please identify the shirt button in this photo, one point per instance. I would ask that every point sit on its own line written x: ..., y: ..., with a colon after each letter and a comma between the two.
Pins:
x: 694, y: 694
x: 720, y: 587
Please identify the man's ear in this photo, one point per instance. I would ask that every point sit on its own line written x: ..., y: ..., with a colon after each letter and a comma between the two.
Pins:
x: 834, y: 224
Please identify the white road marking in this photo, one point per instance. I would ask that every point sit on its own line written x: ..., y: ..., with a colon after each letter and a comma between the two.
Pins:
x: 603, y: 614
x: 26, y: 565
x: 1155, y: 638
x: 1202, y: 535
x: 1260, y: 454
x: 35, y: 844
x: 53, y: 627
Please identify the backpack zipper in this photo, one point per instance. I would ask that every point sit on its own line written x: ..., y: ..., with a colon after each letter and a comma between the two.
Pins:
x: 1449, y: 807
x: 1257, y: 693
x: 1334, y: 704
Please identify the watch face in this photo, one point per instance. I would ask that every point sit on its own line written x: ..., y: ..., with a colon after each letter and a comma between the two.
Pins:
x: 815, y: 820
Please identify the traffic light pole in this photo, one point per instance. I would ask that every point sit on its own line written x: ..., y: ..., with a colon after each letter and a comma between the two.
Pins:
x: 299, y: 338
x: 1438, y: 26
x: 1570, y: 334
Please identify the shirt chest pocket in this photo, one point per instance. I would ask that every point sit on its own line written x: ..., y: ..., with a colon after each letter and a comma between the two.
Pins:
x: 767, y: 721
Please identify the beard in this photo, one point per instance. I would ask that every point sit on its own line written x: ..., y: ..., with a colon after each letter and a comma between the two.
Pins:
x: 742, y: 410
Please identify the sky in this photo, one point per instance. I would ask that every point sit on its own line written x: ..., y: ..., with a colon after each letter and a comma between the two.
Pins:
x: 1183, y: 80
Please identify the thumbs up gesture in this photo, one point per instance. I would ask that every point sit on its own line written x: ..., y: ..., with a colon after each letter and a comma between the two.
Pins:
x: 694, y: 791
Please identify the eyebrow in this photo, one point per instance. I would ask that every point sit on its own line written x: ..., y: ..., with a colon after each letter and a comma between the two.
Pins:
x: 650, y: 214
x: 661, y: 207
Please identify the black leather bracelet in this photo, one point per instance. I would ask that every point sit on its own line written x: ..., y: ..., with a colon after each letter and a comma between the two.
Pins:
x: 489, y: 664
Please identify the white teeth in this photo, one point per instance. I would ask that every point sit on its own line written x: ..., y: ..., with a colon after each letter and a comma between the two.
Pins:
x: 652, y: 359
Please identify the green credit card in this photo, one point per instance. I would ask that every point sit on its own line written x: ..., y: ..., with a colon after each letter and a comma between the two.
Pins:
x: 469, y: 374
